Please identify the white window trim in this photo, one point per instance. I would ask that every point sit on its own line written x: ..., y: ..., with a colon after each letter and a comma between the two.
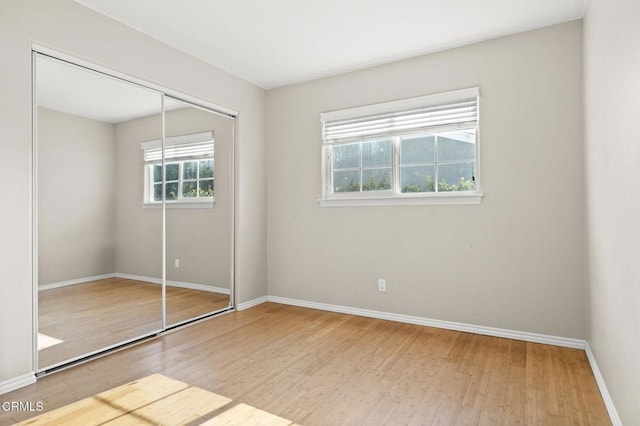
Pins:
x: 441, y: 198
x: 394, y: 197
x: 196, y: 202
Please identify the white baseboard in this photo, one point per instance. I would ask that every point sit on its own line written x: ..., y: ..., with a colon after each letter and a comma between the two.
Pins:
x: 142, y: 278
x: 74, y: 282
x: 17, y: 382
x: 251, y: 303
x: 449, y: 325
x: 608, y: 402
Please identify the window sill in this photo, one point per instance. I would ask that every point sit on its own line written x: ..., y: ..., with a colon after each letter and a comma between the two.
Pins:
x: 181, y: 205
x: 405, y: 200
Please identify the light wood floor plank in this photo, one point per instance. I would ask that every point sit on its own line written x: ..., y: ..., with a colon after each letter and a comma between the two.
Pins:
x: 474, y: 398
x: 515, y: 397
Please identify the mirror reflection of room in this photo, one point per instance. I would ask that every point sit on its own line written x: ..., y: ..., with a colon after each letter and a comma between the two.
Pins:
x: 83, y: 206
x: 198, y: 147
x: 100, y: 211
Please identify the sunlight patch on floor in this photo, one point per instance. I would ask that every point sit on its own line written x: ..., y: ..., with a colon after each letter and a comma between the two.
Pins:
x: 243, y: 414
x: 45, y: 341
x: 157, y: 399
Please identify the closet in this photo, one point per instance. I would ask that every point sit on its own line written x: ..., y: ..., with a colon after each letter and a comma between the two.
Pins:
x: 133, y: 194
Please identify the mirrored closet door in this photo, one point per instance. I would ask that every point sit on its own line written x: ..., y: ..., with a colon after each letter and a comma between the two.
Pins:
x: 134, y: 211
x: 199, y: 213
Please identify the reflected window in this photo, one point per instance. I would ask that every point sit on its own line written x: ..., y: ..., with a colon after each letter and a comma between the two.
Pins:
x: 188, y: 169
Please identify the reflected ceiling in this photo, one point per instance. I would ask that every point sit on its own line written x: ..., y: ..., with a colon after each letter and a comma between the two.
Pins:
x: 74, y: 90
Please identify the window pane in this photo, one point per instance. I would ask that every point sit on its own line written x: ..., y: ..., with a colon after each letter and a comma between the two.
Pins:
x: 346, y: 156
x: 172, y: 191
x: 417, y: 149
x: 376, y: 179
x: 189, y: 189
x: 172, y: 172
x: 157, y: 173
x: 157, y: 192
x: 456, y: 177
x: 417, y: 179
x: 206, y: 168
x: 189, y: 170
x: 457, y: 146
x: 346, y: 181
x: 206, y: 188
x: 376, y: 153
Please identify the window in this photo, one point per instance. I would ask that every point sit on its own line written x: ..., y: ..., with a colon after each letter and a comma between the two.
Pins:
x: 362, y: 166
x: 188, y: 169
x: 415, y: 151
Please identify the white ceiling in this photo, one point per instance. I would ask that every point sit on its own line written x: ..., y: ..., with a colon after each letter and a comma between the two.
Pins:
x: 274, y: 43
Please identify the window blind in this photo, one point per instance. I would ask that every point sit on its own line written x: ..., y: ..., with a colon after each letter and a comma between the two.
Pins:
x: 195, y: 146
x: 447, y: 110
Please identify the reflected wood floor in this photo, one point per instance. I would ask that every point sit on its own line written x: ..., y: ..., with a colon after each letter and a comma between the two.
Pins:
x: 322, y: 368
x: 97, y: 314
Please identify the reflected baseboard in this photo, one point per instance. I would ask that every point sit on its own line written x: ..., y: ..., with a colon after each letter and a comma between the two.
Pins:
x: 51, y: 286
x: 180, y: 284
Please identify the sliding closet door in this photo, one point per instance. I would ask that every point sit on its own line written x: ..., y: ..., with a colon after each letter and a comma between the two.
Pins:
x: 198, y: 152
x: 99, y: 233
x: 134, y: 211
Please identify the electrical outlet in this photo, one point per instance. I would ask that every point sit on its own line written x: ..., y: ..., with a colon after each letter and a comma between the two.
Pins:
x: 382, y: 284
x: 176, y: 263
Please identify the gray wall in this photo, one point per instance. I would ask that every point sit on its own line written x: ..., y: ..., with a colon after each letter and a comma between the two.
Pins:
x: 76, y: 201
x: 612, y: 133
x: 516, y: 261
x: 73, y: 29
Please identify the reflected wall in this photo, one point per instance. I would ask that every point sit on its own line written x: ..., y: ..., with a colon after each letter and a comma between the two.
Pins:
x: 84, y: 305
x: 199, y: 215
x: 130, y: 238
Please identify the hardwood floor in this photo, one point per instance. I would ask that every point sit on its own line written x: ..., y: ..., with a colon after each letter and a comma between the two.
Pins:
x: 97, y: 314
x: 321, y: 368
